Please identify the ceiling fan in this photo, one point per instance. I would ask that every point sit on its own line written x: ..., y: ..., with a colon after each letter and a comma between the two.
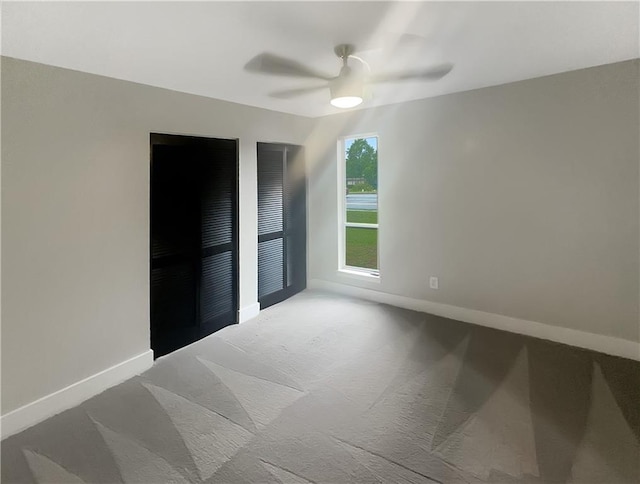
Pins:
x: 347, y: 88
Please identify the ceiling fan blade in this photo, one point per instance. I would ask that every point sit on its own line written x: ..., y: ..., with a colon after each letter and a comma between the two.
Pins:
x: 430, y: 74
x: 388, y: 41
x: 272, y: 64
x: 290, y: 93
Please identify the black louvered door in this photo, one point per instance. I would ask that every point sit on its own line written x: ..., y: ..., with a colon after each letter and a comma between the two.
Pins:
x: 281, y: 222
x: 194, y: 239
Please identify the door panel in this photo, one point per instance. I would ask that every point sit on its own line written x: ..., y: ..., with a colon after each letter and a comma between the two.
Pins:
x: 174, y: 222
x: 296, y: 219
x: 218, y: 222
x: 194, y: 226
x: 281, y: 222
x: 270, y: 221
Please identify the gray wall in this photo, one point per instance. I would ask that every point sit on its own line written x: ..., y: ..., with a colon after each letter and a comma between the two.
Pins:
x: 75, y: 215
x: 522, y: 198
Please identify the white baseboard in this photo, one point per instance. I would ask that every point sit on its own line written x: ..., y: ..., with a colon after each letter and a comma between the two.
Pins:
x: 597, y: 342
x: 76, y: 393
x: 248, y: 312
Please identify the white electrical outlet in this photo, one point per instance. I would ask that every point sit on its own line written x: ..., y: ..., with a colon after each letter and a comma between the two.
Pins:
x: 433, y: 282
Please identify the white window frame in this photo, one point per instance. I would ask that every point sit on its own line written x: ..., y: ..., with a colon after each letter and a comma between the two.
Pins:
x: 362, y: 273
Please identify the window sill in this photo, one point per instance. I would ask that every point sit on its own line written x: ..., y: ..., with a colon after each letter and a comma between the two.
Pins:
x: 361, y: 274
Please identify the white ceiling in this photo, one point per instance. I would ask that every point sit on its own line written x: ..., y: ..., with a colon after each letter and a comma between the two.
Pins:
x: 201, y: 48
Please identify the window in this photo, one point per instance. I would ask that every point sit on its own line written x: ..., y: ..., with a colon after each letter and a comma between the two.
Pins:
x: 358, y: 181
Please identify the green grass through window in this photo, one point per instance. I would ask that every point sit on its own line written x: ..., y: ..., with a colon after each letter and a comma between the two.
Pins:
x: 362, y: 243
x: 362, y: 216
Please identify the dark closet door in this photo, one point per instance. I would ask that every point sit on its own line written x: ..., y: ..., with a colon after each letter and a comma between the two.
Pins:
x: 194, y: 239
x: 281, y: 222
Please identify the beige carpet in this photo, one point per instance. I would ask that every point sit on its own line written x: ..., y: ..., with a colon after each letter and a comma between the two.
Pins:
x: 322, y: 388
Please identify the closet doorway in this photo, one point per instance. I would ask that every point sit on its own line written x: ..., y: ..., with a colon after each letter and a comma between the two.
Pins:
x: 282, y: 226
x: 194, y: 239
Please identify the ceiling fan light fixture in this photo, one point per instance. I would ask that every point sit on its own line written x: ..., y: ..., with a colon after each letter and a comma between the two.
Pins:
x: 345, y: 102
x: 346, y: 93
